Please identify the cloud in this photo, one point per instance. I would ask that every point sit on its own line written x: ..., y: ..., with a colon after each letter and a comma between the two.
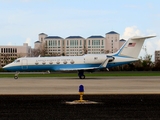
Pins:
x: 130, y: 32
x: 158, y: 45
x: 151, y: 46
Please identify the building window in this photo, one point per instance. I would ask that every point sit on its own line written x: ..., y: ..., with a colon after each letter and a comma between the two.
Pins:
x: 95, y: 42
x: 55, y: 44
x: 72, y: 42
x: 102, y: 42
x: 58, y: 42
x: 67, y: 42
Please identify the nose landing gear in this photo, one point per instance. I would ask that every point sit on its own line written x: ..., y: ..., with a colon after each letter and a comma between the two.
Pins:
x: 16, y: 75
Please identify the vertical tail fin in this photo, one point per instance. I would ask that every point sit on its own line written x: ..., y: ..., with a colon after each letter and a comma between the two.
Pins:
x: 132, y: 47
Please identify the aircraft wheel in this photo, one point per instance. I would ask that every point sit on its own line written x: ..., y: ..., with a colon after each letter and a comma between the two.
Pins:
x: 15, y: 77
x: 82, y: 77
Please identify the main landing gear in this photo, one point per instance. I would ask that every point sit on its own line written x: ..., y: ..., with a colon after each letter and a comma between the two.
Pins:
x: 16, y: 75
x: 81, y: 74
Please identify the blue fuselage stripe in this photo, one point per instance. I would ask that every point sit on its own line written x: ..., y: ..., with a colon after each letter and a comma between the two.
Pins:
x: 50, y: 67
x: 59, y: 67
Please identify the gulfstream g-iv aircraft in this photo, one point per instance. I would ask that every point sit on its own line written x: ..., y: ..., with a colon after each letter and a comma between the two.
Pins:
x: 89, y: 62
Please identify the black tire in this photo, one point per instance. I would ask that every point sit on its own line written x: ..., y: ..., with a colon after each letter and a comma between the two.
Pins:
x: 15, y: 77
x: 82, y: 77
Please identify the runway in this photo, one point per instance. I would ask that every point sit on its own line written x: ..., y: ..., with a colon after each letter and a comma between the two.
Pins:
x: 119, y: 98
x: 53, y: 107
x: 70, y: 85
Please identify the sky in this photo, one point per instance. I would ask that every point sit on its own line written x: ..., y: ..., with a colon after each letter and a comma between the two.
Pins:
x: 22, y: 20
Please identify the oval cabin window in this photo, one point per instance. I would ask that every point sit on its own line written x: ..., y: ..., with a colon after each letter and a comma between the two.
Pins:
x: 43, y: 62
x: 72, y: 62
x: 65, y: 62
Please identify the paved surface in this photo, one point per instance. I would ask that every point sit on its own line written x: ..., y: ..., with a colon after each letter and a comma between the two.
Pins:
x: 53, y: 107
x: 92, y: 85
x: 120, y: 98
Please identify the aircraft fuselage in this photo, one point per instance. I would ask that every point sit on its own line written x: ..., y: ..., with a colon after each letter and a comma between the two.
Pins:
x: 64, y: 63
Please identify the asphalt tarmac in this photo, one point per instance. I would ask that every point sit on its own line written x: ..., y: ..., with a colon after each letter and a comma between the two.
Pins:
x: 118, y: 98
x: 70, y: 86
x: 53, y: 107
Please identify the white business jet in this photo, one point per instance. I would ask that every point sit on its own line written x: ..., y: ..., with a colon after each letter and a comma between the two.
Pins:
x: 128, y: 53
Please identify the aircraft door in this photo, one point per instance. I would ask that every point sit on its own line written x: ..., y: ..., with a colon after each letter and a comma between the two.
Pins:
x: 24, y: 64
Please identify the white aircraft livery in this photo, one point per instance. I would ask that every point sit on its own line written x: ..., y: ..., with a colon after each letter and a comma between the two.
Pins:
x: 128, y: 53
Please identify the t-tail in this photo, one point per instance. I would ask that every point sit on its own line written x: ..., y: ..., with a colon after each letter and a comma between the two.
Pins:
x: 132, y: 47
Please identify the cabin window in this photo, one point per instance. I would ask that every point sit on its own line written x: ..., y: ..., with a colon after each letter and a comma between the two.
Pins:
x: 95, y: 58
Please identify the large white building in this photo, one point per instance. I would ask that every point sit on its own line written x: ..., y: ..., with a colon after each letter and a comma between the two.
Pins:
x: 77, y: 45
x: 74, y: 45
x: 112, y: 42
x: 95, y: 44
x: 9, y: 53
x: 54, y: 45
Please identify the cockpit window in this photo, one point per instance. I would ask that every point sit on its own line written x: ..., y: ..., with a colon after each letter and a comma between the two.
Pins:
x: 16, y: 61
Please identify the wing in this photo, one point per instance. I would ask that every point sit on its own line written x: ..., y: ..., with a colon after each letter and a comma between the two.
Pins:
x: 71, y: 69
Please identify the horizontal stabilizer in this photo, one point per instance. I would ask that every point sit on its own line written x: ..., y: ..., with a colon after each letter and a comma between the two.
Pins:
x: 136, y: 38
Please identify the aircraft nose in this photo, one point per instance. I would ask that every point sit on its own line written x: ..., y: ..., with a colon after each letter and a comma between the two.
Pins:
x: 10, y: 67
x: 5, y: 67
